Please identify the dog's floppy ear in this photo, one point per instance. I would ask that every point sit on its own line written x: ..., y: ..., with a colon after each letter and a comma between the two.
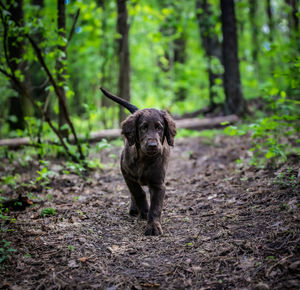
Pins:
x: 129, y: 128
x: 170, y: 128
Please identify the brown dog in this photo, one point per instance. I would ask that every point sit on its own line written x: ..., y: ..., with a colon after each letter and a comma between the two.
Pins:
x: 149, y: 133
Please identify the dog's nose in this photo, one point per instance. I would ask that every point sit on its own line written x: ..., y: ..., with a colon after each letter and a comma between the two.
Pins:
x: 152, y: 145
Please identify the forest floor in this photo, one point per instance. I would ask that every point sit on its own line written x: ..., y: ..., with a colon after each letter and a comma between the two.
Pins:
x: 226, y: 225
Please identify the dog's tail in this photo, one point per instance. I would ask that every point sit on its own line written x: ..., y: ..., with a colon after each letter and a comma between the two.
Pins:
x: 131, y: 108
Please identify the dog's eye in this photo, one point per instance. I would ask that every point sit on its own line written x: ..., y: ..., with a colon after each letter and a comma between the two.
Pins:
x: 158, y: 127
x: 144, y: 127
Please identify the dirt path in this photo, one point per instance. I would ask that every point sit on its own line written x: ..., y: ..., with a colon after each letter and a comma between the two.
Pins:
x: 226, y: 226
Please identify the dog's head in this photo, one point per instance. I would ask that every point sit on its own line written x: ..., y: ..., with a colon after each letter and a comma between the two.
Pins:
x: 148, y: 129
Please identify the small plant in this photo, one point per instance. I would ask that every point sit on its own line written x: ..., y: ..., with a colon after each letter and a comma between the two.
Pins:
x: 43, y: 176
x: 77, y: 168
x: 102, y: 145
x: 48, y: 212
x: 286, y: 179
x: 5, y: 250
x: 71, y: 248
x: 10, y: 180
x: 95, y: 163
x: 4, y: 217
x: 270, y: 258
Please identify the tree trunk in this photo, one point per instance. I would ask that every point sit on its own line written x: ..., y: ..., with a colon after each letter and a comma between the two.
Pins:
x: 255, y: 36
x: 107, y: 51
x: 255, y: 30
x: 179, y: 61
x: 37, y: 81
x: 61, y: 63
x: 211, y: 44
x: 270, y: 20
x: 124, y: 57
x: 15, y: 54
x: 293, y: 19
x: 235, y: 103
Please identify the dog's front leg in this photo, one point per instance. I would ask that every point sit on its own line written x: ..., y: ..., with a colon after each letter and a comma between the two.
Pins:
x: 157, y: 193
x: 139, y: 202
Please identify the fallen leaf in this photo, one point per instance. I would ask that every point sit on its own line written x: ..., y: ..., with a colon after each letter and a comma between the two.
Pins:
x: 83, y: 259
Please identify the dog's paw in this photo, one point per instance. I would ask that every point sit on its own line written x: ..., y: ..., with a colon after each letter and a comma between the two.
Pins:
x: 133, y: 211
x: 153, y: 229
x: 144, y: 215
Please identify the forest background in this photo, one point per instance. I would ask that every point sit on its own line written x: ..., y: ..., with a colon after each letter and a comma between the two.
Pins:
x: 165, y: 54
x: 232, y: 211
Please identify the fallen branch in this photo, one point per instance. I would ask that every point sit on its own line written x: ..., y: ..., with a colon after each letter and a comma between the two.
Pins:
x: 110, y: 134
x: 206, y: 123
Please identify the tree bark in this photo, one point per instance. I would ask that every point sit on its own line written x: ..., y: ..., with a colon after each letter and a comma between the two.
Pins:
x: 293, y: 19
x: 15, y: 54
x: 61, y: 63
x: 234, y: 103
x: 179, y: 61
x: 37, y: 80
x: 254, y: 28
x: 124, y: 55
x: 211, y: 44
x: 270, y: 20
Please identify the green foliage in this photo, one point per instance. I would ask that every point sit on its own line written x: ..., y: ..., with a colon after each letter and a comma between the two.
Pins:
x: 44, y: 175
x: 3, y: 214
x: 10, y: 180
x: 71, y: 248
x: 5, y: 219
x: 48, y: 212
x: 286, y: 179
x: 75, y: 167
x: 155, y: 26
x: 276, y: 134
x: 5, y: 250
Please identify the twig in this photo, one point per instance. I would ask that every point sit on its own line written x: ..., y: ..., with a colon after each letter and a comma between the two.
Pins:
x: 276, y: 264
x: 73, y: 26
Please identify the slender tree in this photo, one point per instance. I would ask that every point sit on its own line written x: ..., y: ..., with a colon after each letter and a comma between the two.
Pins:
x: 254, y: 28
x: 179, y: 61
x: 235, y: 103
x: 211, y: 44
x: 293, y: 19
x: 37, y: 80
x: 124, y: 55
x: 15, y: 53
x: 173, y: 28
x: 107, y: 52
x: 270, y: 19
x: 61, y: 63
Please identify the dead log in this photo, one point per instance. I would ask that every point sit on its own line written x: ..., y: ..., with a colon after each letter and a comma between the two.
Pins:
x: 192, y: 124
x: 15, y: 142
x: 108, y: 134
x: 206, y: 123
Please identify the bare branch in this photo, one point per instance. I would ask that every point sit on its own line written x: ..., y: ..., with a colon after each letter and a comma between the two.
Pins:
x: 5, y: 40
x: 53, y: 83
x: 73, y: 26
